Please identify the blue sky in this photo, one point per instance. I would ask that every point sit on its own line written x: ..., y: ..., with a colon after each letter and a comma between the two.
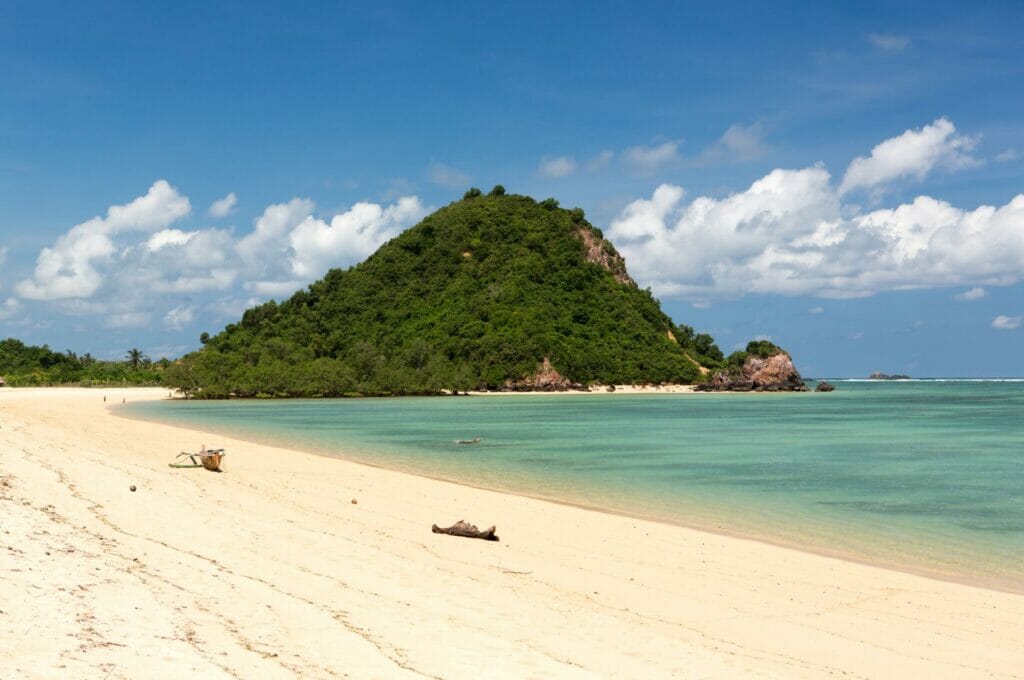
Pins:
x: 816, y: 175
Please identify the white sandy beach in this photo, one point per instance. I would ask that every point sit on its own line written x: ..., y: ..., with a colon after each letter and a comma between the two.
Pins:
x: 269, y: 570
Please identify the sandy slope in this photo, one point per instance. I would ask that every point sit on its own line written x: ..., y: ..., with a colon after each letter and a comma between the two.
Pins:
x: 268, y: 570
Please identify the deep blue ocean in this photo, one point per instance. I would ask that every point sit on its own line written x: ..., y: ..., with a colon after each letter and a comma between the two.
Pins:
x: 920, y: 475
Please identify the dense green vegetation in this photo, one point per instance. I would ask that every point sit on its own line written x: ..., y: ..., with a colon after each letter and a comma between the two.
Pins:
x: 22, y: 365
x: 701, y: 346
x: 478, y: 293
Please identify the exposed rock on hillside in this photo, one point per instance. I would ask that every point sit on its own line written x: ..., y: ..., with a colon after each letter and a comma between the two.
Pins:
x: 601, y: 252
x: 545, y: 379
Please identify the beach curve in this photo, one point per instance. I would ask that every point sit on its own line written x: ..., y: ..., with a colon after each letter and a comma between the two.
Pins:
x: 270, y: 570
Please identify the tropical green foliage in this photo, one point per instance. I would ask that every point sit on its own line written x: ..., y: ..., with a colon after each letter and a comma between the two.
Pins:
x: 700, y: 346
x: 22, y: 365
x: 478, y: 293
x: 135, y: 358
x: 763, y: 348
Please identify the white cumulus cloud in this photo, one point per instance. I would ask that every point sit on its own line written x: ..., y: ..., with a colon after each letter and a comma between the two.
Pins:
x: 123, y: 267
x: 646, y: 218
x: 168, y: 237
x: 349, y: 237
x: 790, y: 233
x: 223, y: 206
x: 914, y: 154
x: 73, y: 266
x: 266, y: 247
x: 173, y: 261
x: 1007, y: 323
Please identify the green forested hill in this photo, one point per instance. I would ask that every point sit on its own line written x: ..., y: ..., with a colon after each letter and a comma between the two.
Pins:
x: 477, y: 294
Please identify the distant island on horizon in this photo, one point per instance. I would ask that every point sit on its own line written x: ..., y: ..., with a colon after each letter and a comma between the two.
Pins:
x: 885, y: 376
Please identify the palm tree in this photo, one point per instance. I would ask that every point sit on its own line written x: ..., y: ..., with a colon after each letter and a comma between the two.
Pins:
x: 135, y: 357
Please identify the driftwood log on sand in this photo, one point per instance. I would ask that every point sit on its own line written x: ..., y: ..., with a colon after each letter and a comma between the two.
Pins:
x: 460, y: 528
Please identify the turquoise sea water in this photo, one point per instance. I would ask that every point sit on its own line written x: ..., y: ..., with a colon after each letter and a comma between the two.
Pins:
x: 921, y: 475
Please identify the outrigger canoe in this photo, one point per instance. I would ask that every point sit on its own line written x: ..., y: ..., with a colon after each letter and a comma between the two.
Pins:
x: 207, y: 458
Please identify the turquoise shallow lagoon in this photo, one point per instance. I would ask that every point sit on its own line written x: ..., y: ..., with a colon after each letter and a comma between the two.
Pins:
x: 920, y: 475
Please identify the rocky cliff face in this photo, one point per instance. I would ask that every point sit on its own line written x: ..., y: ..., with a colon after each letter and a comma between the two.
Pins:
x: 772, y: 374
x: 545, y: 379
x: 596, y: 251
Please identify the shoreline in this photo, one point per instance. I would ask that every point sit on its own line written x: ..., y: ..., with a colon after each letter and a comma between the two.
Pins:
x: 810, y: 547
x: 269, y: 570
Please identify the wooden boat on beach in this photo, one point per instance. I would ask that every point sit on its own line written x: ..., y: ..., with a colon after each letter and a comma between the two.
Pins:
x: 206, y: 458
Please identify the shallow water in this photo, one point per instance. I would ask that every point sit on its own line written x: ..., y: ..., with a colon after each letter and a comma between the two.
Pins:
x: 921, y: 475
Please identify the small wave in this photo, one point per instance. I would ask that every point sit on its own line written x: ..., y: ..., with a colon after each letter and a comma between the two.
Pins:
x: 929, y: 380
x: 1013, y: 380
